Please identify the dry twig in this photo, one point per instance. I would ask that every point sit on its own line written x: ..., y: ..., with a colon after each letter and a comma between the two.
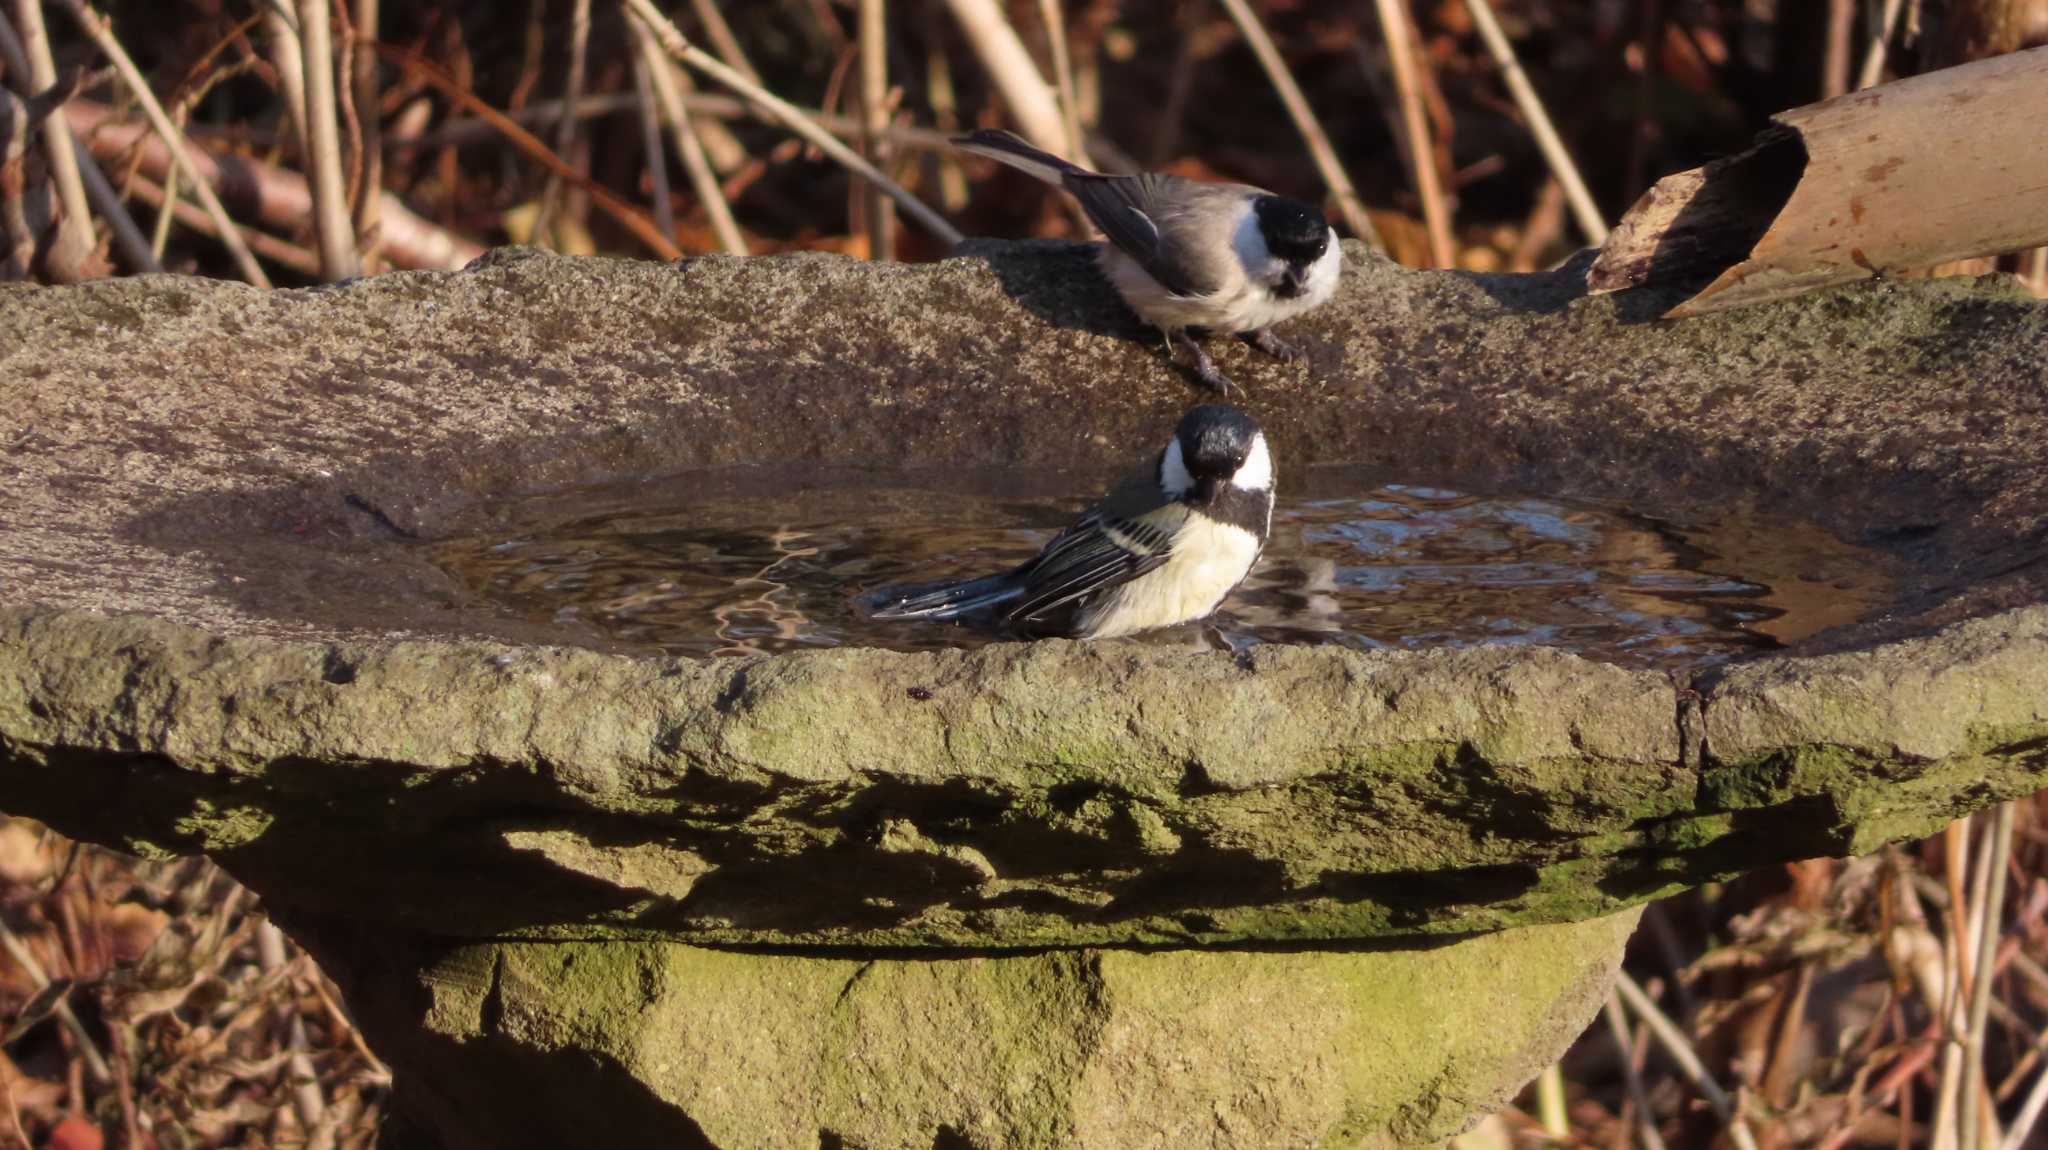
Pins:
x: 674, y: 43
x: 332, y: 222
x: 1395, y: 28
x: 1349, y: 206
x: 668, y: 90
x: 74, y: 231
x: 880, y: 213
x: 1011, y: 69
x: 565, y: 128
x: 1548, y: 141
x: 1680, y: 1049
x: 97, y: 30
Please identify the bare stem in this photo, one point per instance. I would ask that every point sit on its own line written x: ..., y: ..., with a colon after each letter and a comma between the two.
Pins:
x: 874, y: 113
x: 790, y: 117
x: 565, y: 128
x: 1063, y: 74
x: 1395, y: 27
x: 1873, y: 60
x: 1646, y: 1122
x: 1996, y: 851
x: 332, y: 222
x: 650, y: 137
x: 722, y: 40
x: 1029, y: 97
x: 1552, y: 145
x: 96, y: 29
x: 1348, y: 204
x: 668, y: 89
x: 1680, y: 1049
x: 74, y: 233
x: 95, y: 1063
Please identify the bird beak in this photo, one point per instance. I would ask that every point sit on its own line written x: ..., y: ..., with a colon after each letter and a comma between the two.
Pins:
x: 1292, y: 282
x: 1205, y: 489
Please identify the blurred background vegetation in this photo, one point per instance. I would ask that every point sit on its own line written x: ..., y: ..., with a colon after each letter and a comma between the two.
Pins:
x: 150, y: 1004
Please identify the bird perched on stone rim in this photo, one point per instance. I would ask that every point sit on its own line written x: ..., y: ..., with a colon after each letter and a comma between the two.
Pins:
x: 1163, y: 547
x: 1227, y: 258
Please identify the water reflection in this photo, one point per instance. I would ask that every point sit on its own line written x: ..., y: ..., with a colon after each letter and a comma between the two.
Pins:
x: 1375, y: 566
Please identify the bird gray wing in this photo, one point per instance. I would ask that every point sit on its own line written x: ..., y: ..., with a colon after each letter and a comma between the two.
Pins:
x: 1128, y: 534
x: 1159, y: 221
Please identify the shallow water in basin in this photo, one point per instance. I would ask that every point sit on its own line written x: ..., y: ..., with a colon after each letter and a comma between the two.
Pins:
x: 744, y: 562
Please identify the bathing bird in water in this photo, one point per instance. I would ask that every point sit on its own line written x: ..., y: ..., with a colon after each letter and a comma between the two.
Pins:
x: 1226, y: 258
x: 1164, y: 547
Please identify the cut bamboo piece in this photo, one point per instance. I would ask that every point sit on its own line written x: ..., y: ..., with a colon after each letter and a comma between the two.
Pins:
x: 1939, y: 167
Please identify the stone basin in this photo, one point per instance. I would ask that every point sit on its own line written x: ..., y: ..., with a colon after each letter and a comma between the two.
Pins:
x: 1179, y: 898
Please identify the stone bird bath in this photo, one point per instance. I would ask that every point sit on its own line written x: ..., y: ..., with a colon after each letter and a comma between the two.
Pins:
x: 1027, y: 896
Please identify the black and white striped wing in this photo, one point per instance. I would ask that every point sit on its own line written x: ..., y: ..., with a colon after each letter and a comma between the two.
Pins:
x: 1098, y: 552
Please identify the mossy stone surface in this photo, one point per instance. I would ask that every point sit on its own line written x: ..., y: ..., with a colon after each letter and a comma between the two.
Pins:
x: 1057, y: 1050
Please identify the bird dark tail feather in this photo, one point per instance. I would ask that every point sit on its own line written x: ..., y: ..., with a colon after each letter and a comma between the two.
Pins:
x: 1011, y: 149
x: 942, y: 600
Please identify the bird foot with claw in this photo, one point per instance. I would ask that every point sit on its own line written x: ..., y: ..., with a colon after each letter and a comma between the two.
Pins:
x: 1273, y: 345
x: 1205, y: 368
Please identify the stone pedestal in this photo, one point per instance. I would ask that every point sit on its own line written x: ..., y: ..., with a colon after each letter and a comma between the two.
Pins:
x: 1101, y: 896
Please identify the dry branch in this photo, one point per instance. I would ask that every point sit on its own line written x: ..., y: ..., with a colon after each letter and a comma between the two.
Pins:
x: 97, y: 30
x: 332, y: 221
x: 668, y: 90
x: 791, y: 117
x: 629, y: 217
x: 874, y: 114
x: 74, y: 230
x: 1348, y: 204
x: 1395, y: 23
x: 273, y: 197
x: 1939, y: 167
x: 1545, y: 133
x: 1010, y: 67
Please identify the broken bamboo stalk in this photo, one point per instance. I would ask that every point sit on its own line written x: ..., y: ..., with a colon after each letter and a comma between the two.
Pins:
x: 1942, y: 166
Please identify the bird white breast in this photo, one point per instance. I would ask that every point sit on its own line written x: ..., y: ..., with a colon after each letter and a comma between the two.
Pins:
x: 1209, y: 558
x: 1245, y: 302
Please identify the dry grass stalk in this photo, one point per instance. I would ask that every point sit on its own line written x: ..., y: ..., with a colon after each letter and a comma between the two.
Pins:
x: 101, y: 33
x: 668, y: 90
x: 306, y: 1097
x: 1873, y: 59
x: 565, y: 128
x: 1349, y: 206
x: 880, y: 213
x: 279, y: 198
x: 1055, y: 21
x: 1029, y: 98
x: 1591, y: 223
x: 790, y: 117
x: 1639, y: 1095
x: 1834, y: 66
x: 285, y: 255
x: 650, y: 142
x: 629, y: 217
x: 134, y: 247
x: 1396, y: 29
x: 722, y: 40
x: 281, y: 37
x: 363, y: 95
x: 74, y: 231
x: 97, y: 30
x: 1993, y: 855
x: 333, y: 225
x: 1680, y: 1049
x: 95, y: 1063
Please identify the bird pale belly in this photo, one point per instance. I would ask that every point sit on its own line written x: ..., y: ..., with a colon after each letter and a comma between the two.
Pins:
x: 1239, y: 306
x: 1209, y: 560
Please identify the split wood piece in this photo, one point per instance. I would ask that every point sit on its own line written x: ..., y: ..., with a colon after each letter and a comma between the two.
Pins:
x: 1938, y: 167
